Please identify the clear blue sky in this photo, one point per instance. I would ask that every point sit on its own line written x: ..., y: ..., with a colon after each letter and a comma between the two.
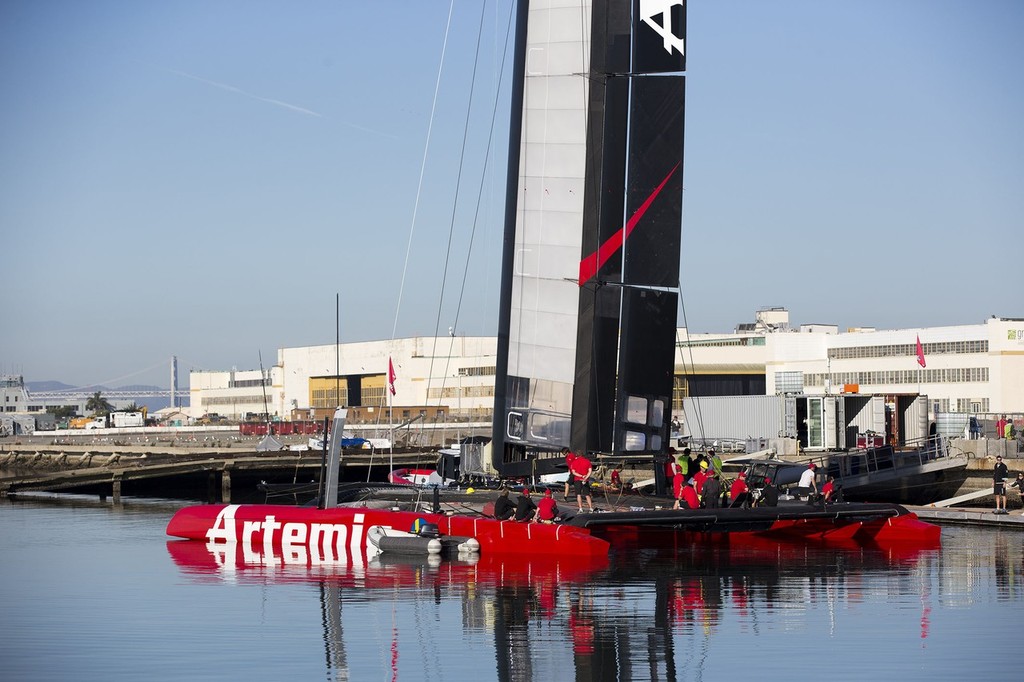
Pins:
x: 201, y: 178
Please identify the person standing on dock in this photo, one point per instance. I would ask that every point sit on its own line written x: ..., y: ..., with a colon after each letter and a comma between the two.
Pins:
x: 999, y: 474
x: 974, y: 428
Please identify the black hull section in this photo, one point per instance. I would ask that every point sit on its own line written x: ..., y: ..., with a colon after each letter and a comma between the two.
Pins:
x: 738, y: 520
x: 914, y: 489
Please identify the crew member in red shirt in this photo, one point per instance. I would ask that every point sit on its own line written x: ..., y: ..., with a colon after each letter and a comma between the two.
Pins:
x: 739, y: 487
x: 828, y: 490
x: 569, y: 457
x: 701, y: 475
x: 581, y: 469
x: 547, y: 510
x: 689, y: 496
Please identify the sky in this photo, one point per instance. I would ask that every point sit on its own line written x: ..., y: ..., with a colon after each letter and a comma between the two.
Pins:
x: 202, y: 179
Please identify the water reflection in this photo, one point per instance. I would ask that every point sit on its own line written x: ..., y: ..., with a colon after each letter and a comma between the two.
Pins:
x: 640, y: 615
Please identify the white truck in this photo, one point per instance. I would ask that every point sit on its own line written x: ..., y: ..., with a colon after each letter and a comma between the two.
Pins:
x: 96, y: 423
x: 121, y: 420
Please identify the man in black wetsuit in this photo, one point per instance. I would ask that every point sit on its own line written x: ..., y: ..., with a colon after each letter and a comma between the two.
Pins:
x: 503, y: 507
x: 711, y: 496
x: 526, y: 509
x: 769, y: 494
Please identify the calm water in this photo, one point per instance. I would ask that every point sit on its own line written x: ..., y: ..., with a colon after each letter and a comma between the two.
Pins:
x: 93, y: 592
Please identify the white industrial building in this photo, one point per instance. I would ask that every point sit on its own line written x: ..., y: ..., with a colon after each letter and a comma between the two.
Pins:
x: 976, y: 368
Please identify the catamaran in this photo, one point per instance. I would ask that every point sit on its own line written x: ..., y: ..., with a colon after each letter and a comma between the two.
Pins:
x: 588, y: 307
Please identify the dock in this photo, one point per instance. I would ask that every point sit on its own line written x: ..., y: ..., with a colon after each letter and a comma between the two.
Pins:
x: 963, y: 516
x: 211, y: 475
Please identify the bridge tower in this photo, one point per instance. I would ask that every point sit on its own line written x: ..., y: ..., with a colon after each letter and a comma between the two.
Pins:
x: 174, y: 381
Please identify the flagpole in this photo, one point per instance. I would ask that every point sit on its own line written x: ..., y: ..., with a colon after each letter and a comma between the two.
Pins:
x: 390, y: 390
x: 391, y: 430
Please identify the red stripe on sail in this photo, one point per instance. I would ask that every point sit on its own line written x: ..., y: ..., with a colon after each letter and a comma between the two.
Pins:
x: 595, y: 261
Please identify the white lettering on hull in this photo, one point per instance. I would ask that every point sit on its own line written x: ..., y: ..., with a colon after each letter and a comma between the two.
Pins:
x: 300, y: 543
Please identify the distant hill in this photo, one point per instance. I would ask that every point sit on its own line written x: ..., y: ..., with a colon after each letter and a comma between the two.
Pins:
x: 39, y: 386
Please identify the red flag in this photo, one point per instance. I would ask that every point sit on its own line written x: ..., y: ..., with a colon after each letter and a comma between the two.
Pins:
x: 391, y: 376
x: 920, y: 351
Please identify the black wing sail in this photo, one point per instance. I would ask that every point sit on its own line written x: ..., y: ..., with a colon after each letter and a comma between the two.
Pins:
x: 586, y: 338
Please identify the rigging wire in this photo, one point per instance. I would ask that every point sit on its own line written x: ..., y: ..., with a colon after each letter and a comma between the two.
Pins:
x: 455, y: 203
x: 476, y: 213
x: 423, y: 167
x: 689, y: 350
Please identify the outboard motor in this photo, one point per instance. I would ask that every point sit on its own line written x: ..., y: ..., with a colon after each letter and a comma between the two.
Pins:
x: 428, y: 530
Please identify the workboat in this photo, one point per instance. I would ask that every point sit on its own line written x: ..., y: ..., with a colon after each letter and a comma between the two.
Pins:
x: 587, y: 312
x: 918, y: 474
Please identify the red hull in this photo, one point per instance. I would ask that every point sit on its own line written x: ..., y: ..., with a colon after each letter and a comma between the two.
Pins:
x: 326, y: 534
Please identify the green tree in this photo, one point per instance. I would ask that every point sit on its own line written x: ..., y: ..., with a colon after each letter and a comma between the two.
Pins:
x: 98, y: 405
x: 132, y: 408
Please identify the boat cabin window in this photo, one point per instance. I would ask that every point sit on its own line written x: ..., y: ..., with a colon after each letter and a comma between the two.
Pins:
x: 636, y: 410
x: 657, y: 414
x: 635, y: 440
x: 514, y: 425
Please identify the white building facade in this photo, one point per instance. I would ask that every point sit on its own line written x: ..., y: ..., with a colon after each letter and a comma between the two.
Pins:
x: 968, y: 368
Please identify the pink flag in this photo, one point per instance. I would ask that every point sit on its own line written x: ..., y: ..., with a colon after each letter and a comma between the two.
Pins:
x: 392, y: 376
x: 920, y: 352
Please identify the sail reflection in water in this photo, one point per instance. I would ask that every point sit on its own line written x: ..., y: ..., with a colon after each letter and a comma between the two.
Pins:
x: 646, y: 615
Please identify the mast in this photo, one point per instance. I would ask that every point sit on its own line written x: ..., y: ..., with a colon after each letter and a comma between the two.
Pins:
x: 509, y: 235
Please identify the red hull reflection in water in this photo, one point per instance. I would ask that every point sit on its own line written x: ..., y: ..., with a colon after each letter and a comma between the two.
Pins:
x: 608, y: 612
x: 220, y: 561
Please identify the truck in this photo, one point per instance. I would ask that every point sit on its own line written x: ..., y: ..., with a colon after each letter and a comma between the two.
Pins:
x: 121, y: 420
x: 79, y: 422
x: 96, y: 423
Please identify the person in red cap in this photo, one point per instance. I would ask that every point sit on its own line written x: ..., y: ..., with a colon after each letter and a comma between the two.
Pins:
x: 808, y: 482
x: 739, y: 487
x: 688, y: 497
x: 547, y: 510
x: 526, y: 510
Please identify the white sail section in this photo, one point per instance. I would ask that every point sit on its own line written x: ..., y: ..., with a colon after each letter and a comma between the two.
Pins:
x: 545, y: 298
